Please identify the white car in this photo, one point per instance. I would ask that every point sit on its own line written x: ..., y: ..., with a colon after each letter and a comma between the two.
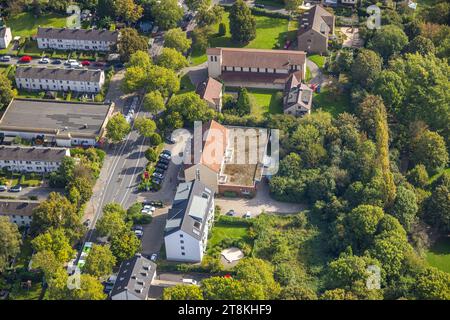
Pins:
x: 3, y: 188
x: 154, y: 257
x: 5, y: 58
x: 190, y: 281
x: 44, y: 60
x: 148, y: 209
x: 248, y: 215
x: 138, y: 233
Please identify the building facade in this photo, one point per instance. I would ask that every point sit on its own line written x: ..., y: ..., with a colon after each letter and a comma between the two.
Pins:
x: 255, y: 68
x: 31, y: 159
x: 316, y: 29
x: 57, y: 79
x: 76, y: 39
x: 19, y: 212
x: 189, y: 222
x: 5, y: 37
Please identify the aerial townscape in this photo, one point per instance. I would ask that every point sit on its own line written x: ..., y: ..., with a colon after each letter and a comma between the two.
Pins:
x: 224, y: 150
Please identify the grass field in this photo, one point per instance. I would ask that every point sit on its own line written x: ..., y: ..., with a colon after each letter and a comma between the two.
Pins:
x: 439, y: 254
x: 25, y: 24
x: 332, y: 102
x: 270, y: 33
x: 266, y: 101
x: 221, y: 231
x: 318, y: 60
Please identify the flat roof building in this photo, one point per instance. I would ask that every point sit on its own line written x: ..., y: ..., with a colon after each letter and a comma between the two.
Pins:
x: 61, y: 122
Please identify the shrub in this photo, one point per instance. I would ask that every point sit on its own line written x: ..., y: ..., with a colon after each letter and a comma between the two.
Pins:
x: 155, y: 139
x: 222, y: 29
x: 151, y: 155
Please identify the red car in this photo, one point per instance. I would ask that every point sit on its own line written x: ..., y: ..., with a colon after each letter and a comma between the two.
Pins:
x: 25, y: 59
x: 85, y: 63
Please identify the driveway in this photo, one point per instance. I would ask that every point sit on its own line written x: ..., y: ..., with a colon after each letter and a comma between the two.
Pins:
x: 153, y: 237
x: 317, y: 76
x: 261, y: 202
x: 40, y: 192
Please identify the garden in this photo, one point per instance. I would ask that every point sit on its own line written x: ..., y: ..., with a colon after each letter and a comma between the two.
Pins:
x: 25, y: 180
x: 439, y: 254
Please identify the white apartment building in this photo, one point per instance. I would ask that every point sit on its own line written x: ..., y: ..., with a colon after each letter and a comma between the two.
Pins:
x: 31, y: 159
x: 57, y: 79
x: 19, y: 212
x: 76, y: 39
x: 189, y: 222
x: 5, y: 37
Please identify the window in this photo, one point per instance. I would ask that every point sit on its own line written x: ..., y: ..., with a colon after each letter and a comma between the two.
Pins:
x: 183, y: 253
x: 181, y: 236
x: 181, y: 241
x: 212, y: 58
x: 182, y: 248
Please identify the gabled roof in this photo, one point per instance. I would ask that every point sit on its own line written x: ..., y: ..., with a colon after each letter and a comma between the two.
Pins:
x: 32, y: 153
x: 78, y: 34
x: 3, y: 31
x: 316, y: 18
x: 135, y: 277
x: 209, y: 90
x: 213, y: 145
x: 259, y: 58
x: 190, y: 208
x: 59, y: 74
x: 17, y: 207
x: 297, y: 93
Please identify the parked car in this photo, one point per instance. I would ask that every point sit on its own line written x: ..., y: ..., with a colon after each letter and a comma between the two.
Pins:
x: 5, y: 58
x: 190, y: 281
x: 99, y: 64
x: 258, y: 5
x: 44, y: 61
x: 162, y: 166
x: 165, y: 156
x: 154, y: 203
x: 16, y: 188
x: 109, y: 284
x: 85, y: 63
x: 168, y: 152
x: 3, y: 188
x: 56, y: 61
x: 148, y: 209
x: 25, y: 59
x: 156, y: 180
x: 247, y: 215
x: 87, y: 222
x: 164, y: 161
x: 231, y: 213
x: 158, y: 175
x: 138, y: 233
x: 138, y: 228
x: 154, y: 257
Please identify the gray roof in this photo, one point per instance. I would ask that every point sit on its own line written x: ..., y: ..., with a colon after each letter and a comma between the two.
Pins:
x: 32, y: 153
x: 135, y: 276
x: 78, y: 34
x: 3, y: 32
x: 190, y: 208
x: 53, y: 116
x: 316, y: 18
x: 84, y: 75
x: 297, y: 93
x: 17, y: 207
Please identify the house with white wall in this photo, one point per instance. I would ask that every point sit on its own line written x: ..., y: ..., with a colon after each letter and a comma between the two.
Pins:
x: 189, y: 222
x: 19, y: 212
x: 255, y: 68
x: 76, y: 39
x: 58, y: 79
x: 5, y: 37
x: 32, y: 159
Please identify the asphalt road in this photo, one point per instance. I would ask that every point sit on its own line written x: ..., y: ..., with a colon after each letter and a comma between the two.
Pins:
x: 35, y: 63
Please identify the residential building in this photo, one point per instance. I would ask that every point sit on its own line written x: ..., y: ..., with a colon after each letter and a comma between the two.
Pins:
x: 297, y: 98
x: 76, y: 39
x: 227, y: 159
x: 5, y: 37
x: 31, y: 159
x: 316, y: 29
x: 257, y: 68
x: 210, y: 90
x: 189, y: 222
x: 60, y: 123
x: 58, y: 79
x: 19, y: 212
x: 134, y: 279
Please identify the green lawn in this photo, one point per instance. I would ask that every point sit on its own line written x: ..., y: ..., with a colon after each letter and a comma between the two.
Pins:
x: 439, y: 254
x: 437, y: 175
x: 271, y: 3
x: 331, y: 101
x: 266, y: 101
x: 19, y: 293
x: 221, y: 231
x: 318, y: 60
x: 270, y: 34
x: 25, y: 24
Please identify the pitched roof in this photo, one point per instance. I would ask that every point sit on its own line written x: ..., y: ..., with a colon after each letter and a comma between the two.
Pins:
x: 213, y: 145
x: 78, y: 34
x: 316, y: 18
x: 297, y: 93
x: 32, y: 153
x: 3, y: 32
x: 192, y: 202
x: 135, y: 276
x: 209, y: 90
x: 59, y: 74
x: 259, y: 58
x: 17, y: 207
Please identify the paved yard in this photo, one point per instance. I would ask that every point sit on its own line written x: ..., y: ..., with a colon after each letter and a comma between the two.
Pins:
x: 261, y: 202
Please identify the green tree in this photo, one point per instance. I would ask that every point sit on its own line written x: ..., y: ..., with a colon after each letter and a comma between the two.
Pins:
x: 140, y: 59
x: 297, y: 293
x: 128, y: 10
x: 6, y: 91
x: 389, y: 86
x: 433, y: 284
x: 220, y: 288
x: 418, y: 176
x: 10, y: 241
x: 155, y: 139
x: 431, y: 151
x: 110, y: 224
x: 191, y: 108
x: 130, y: 42
x: 167, y: 13
x: 338, y: 294
x: 222, y: 29
x: 405, y: 207
x: 56, y: 242
x: 388, y: 40
x: 193, y: 5
x: 151, y: 155
x: 200, y: 38
x: 124, y: 245
x: 242, y: 23
x: 117, y: 128
x: 176, y: 38
x: 208, y: 15
x: 420, y: 45
x: 145, y: 126
x: 105, y: 8
x: 154, y: 102
x: 182, y: 292
x: 172, y: 59
x: 243, y: 104
x: 366, y: 67
x: 100, y: 261
x: 438, y: 204
x: 163, y: 80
